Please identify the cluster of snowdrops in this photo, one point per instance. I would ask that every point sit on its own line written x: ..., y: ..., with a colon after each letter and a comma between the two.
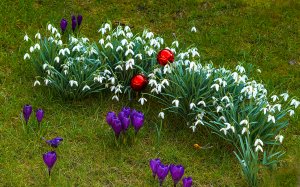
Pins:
x: 229, y: 102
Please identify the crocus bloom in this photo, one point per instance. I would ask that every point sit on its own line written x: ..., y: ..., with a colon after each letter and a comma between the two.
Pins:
x: 109, y: 117
x: 125, y: 120
x: 116, y: 126
x: 153, y: 165
x: 27, y: 109
x: 50, y: 159
x: 74, y: 23
x: 162, y: 171
x: 177, y: 172
x: 137, y: 120
x: 79, y: 20
x: 73, y: 17
x: 126, y: 110
x: 63, y: 25
x: 39, y: 115
x: 54, y: 142
x: 187, y: 181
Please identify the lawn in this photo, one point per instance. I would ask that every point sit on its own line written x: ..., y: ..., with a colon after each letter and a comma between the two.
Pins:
x: 262, y: 33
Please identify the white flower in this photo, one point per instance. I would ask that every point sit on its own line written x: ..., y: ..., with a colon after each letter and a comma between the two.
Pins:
x: 229, y: 126
x: 165, y: 82
x: 152, y: 82
x: 31, y: 49
x: 56, y: 59
x: 278, y: 106
x: 26, y: 38
x: 216, y: 86
x: 258, y: 70
x: 37, y: 35
x: 295, y: 103
x: 259, y: 148
x: 26, y: 56
x: 129, y: 51
x: 193, y: 128
x: 119, y: 67
x: 264, y: 110
x: 240, y: 68
x: 139, y: 56
x: 142, y: 100
x: 59, y: 43
x: 225, y: 98
x: 86, y: 87
x: 107, y: 26
x: 73, y: 82
x: 244, y: 122
x: 219, y: 109
x: 192, y: 105
x: 292, y: 112
x: 271, y: 118
x: 161, y: 115
x: 224, y: 130
x: 47, y: 81
x: 193, y: 29
x: 245, y: 130
x: 201, y: 103
x: 53, y: 30
x: 258, y: 142
x: 119, y: 48
x: 279, y: 138
x: 101, y: 41
x: 149, y: 35
x: 175, y: 43
x: 285, y: 96
x: 222, y: 118
x: 36, y: 83
x: 108, y: 37
x: 115, y: 97
x: 57, y: 35
x: 175, y: 102
x: 45, y: 66
x: 129, y: 64
x: 124, y: 42
x: 109, y: 45
x: 274, y: 97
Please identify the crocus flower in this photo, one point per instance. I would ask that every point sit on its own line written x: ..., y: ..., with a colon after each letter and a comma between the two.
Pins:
x: 125, y: 120
x: 54, y: 142
x: 137, y: 120
x: 27, y: 109
x: 177, y: 172
x: 109, y: 117
x: 74, y: 23
x: 116, y: 126
x: 63, y: 25
x: 79, y: 20
x: 162, y: 171
x: 187, y: 181
x: 39, y: 115
x: 153, y: 165
x: 73, y: 17
x: 126, y: 110
x: 50, y: 159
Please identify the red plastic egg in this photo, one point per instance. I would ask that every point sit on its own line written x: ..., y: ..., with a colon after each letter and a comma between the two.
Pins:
x: 164, y: 56
x: 138, y: 82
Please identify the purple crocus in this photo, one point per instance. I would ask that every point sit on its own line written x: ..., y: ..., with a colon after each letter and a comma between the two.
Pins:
x: 73, y: 17
x: 162, y: 171
x: 50, y: 159
x: 153, y: 165
x: 116, y: 126
x: 137, y: 120
x: 126, y: 110
x: 63, y: 25
x: 79, y: 19
x: 27, y: 109
x: 54, y: 142
x: 125, y: 120
x: 109, y: 117
x: 187, y: 181
x: 177, y: 172
x: 74, y: 24
x: 39, y: 115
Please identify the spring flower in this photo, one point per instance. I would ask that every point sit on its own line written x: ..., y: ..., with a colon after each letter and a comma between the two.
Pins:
x: 177, y: 172
x: 161, y: 115
x: 274, y: 98
x: 109, y: 45
x: 38, y: 36
x: 271, y: 118
x: 63, y: 25
x: 37, y: 46
x: 79, y: 20
x: 285, y: 96
x: 72, y: 82
x: 162, y: 171
x: 259, y: 148
x: 26, y: 38
x: 26, y: 56
x: 36, y: 83
x: 39, y: 115
x: 153, y: 165
x: 115, y: 97
x: 295, y: 103
x: 74, y: 24
x: 176, y: 102
x: 125, y: 120
x: 292, y: 112
x: 216, y: 86
x: 109, y: 117
x: 193, y: 29
x: 258, y: 142
x: 187, y: 181
x: 54, y: 142
x: 142, y: 100
x: 137, y: 120
x: 244, y: 122
x: 279, y: 138
x: 27, y: 109
x: 192, y: 105
x: 50, y: 159
x: 116, y: 126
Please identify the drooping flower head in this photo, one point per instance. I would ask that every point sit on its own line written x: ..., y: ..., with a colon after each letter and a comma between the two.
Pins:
x: 153, y: 165
x: 39, y: 115
x: 27, y: 109
x: 79, y: 19
x: 187, y: 181
x: 125, y: 120
x: 54, y: 142
x: 137, y: 120
x: 177, y: 172
x: 63, y: 25
x: 116, y: 126
x: 50, y: 159
x: 109, y: 117
x: 162, y: 171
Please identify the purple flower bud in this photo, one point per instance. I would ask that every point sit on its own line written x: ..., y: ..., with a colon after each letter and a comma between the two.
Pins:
x: 153, y: 165
x: 27, y: 109
x: 73, y: 17
x: 116, y: 126
x: 50, y: 159
x: 54, y: 142
x: 79, y: 20
x: 126, y: 110
x: 63, y: 25
x: 74, y: 24
x: 109, y: 117
x: 177, y: 172
x: 162, y: 171
x: 125, y: 120
x: 39, y: 115
x: 187, y: 181
x: 137, y: 120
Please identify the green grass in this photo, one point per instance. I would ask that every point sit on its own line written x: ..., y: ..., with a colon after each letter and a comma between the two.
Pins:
x: 262, y: 33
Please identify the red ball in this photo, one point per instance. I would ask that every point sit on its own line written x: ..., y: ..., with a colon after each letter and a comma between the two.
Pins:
x: 164, y: 56
x: 138, y: 82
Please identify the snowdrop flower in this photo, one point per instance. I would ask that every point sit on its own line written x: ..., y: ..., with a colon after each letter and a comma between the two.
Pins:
x: 175, y: 43
x: 37, y: 35
x: 59, y: 43
x: 264, y: 110
x: 26, y: 38
x: 109, y: 45
x: 57, y: 35
x: 161, y: 115
x: 119, y: 67
x: 258, y: 142
x: 245, y: 130
x: 108, y: 37
x: 216, y: 86
x: 45, y: 66
x: 73, y: 82
x: 175, y: 102
x: 107, y: 26
x: 129, y: 51
x: 240, y: 68
x: 47, y: 81
x: 271, y: 118
x: 112, y: 80
x: 139, y: 56
x: 154, y: 90
x: 86, y: 87
x: 278, y: 106
x: 295, y: 103
x: 165, y: 82
x: 229, y: 126
x: 119, y: 48
x: 101, y: 41
x: 285, y: 96
x: 115, y: 97
x: 142, y: 100
x: 31, y: 49
x: 129, y: 64
x: 49, y: 27
x: 195, y: 52
x: 225, y: 98
x: 192, y: 105
x: 53, y: 30
x: 127, y: 28
x: 279, y: 138
x: 152, y: 82
x: 193, y: 29
x: 193, y: 128
x: 26, y: 56
x: 84, y: 40
x: 219, y: 109
x: 258, y: 70
x: 224, y: 130
x: 292, y: 112
x: 36, y: 83
x: 167, y: 69
x: 201, y: 103
x: 56, y: 59
x: 274, y: 98
x: 149, y: 35
x: 244, y: 122
x: 259, y: 148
